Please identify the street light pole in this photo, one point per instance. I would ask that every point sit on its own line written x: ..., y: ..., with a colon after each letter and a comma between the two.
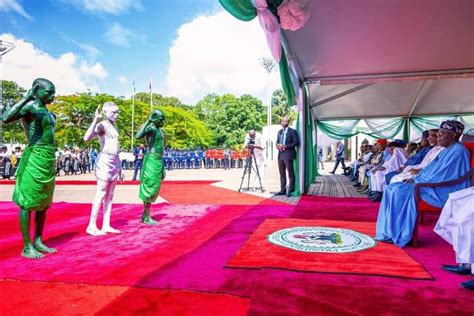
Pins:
x: 5, y: 47
x: 268, y: 65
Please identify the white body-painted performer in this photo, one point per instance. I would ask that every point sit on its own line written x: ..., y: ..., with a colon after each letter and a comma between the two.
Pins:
x: 108, y: 166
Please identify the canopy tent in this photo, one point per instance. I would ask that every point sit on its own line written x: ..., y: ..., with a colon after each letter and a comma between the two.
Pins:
x: 376, y: 59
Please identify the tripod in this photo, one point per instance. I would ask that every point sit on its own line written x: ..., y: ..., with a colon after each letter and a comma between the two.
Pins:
x: 250, y: 164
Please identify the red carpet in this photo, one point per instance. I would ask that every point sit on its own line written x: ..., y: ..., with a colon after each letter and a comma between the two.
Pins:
x: 191, y: 193
x: 82, y: 299
x: 383, y: 259
x: 121, y: 259
x: 187, y: 252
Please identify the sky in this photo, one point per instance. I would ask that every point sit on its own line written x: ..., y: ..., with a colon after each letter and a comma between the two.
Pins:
x: 189, y: 48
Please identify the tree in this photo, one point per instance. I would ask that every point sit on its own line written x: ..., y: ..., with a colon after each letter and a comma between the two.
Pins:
x: 230, y: 117
x: 11, y: 94
x: 280, y: 107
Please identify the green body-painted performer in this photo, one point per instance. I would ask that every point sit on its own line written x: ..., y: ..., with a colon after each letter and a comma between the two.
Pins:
x: 153, y: 171
x: 36, y: 173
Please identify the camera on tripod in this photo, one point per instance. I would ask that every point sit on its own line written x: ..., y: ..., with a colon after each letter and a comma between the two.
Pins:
x: 251, y: 142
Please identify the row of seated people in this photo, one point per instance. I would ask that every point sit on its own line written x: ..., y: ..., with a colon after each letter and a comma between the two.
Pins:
x: 441, y: 157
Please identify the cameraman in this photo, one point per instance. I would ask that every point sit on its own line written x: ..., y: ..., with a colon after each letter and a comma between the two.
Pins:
x: 254, y: 141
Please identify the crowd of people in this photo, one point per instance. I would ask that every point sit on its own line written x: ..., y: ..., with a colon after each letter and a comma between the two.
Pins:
x: 389, y: 171
x: 73, y: 161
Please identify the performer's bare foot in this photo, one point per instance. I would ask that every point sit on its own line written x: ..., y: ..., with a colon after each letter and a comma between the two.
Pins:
x: 146, y: 219
x: 40, y: 246
x: 31, y: 253
x: 110, y: 230
x: 94, y: 231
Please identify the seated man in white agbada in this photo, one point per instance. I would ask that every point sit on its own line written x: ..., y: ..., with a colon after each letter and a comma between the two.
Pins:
x: 377, y: 177
x: 456, y: 226
x: 410, y: 171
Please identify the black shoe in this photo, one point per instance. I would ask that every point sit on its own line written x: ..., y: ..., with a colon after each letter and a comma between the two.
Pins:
x: 376, y: 197
x: 289, y: 194
x: 280, y: 193
x: 331, y: 172
x: 467, y: 285
x: 357, y: 185
x: 462, y: 269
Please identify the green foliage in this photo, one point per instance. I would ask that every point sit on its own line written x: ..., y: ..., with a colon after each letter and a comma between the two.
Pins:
x: 230, y: 117
x: 280, y: 107
x: 11, y: 94
x: 213, y: 121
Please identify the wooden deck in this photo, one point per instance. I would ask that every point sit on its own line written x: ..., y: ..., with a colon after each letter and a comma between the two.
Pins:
x: 326, y: 185
x: 334, y: 185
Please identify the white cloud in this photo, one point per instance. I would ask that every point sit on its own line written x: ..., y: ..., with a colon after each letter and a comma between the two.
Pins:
x: 95, y: 70
x: 122, y: 79
x: 13, y: 5
x: 106, y: 6
x: 91, y: 50
x: 69, y: 73
x: 120, y: 36
x: 218, y: 54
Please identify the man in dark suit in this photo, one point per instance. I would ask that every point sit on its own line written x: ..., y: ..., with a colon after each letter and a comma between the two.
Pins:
x: 286, y: 143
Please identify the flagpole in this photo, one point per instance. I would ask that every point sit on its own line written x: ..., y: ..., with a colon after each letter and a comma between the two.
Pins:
x: 151, y: 98
x: 133, y: 111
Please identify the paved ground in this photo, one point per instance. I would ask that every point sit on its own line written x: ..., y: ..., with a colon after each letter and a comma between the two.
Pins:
x: 229, y: 179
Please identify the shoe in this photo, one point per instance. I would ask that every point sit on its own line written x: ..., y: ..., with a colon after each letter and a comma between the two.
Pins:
x: 467, y: 285
x: 280, y: 193
x: 462, y: 268
x: 364, y: 191
x: 290, y: 194
x: 331, y: 172
x: 376, y: 197
x: 357, y: 185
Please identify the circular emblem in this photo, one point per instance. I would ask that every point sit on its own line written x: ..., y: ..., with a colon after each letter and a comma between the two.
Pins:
x: 321, y: 239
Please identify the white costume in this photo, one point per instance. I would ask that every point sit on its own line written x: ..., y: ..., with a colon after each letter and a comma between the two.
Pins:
x: 108, y: 167
x: 377, y: 179
x: 456, y: 224
x: 259, y: 158
x: 429, y: 157
x: 108, y: 163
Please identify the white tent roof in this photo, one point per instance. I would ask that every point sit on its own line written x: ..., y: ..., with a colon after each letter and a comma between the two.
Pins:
x: 369, y: 58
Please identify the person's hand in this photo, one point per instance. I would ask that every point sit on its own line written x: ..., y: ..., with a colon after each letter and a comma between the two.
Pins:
x: 415, y: 171
x: 30, y: 95
x: 98, y: 113
x: 382, y: 168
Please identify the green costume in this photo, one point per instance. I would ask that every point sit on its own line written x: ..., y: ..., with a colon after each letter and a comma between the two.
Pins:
x: 151, y: 177
x: 35, y: 178
x: 153, y: 171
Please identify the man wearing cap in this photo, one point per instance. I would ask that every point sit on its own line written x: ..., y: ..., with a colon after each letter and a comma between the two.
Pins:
x: 425, y: 147
x: 397, y: 214
x: 456, y: 226
x: 377, y: 178
x: 376, y: 160
x: 412, y: 170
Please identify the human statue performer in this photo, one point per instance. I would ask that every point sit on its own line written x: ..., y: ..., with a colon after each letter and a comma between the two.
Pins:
x: 34, y: 186
x: 153, y: 169
x: 108, y: 167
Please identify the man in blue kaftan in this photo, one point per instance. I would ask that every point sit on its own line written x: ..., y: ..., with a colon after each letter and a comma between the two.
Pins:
x: 426, y: 145
x: 397, y: 214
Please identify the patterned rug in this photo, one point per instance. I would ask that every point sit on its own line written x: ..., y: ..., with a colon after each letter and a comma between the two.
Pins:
x: 324, y: 246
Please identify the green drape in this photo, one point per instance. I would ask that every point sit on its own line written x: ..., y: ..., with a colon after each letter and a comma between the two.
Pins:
x: 245, y: 11
x: 340, y: 129
x: 388, y: 128
x: 285, y: 78
x: 311, y: 160
x: 240, y: 9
